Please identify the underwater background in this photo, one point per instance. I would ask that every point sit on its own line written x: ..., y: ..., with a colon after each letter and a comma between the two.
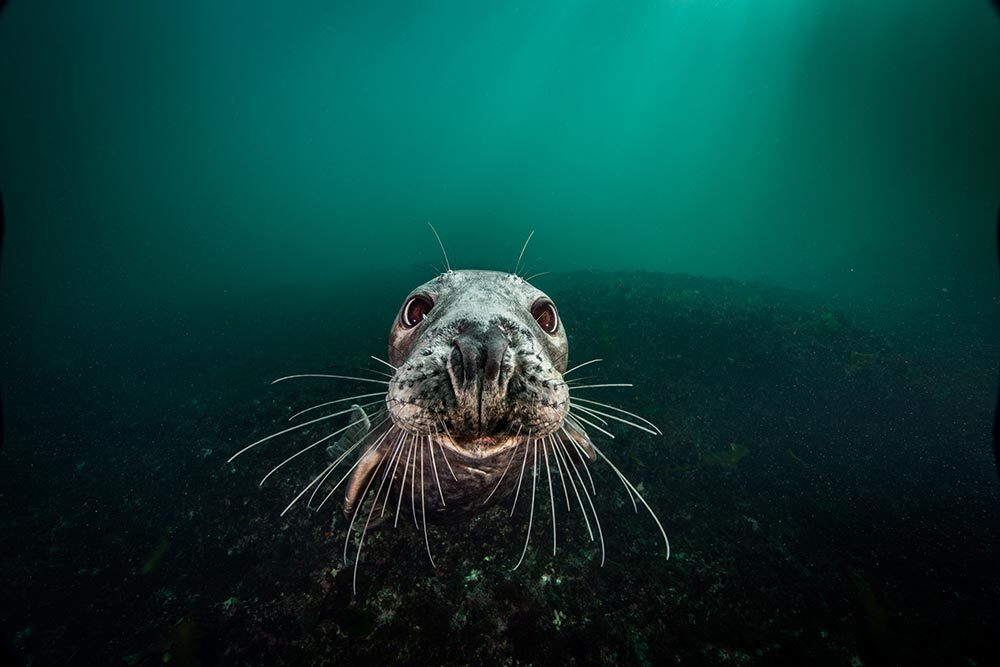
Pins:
x: 775, y: 218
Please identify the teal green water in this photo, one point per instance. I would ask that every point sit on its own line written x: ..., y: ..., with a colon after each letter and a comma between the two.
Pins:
x: 177, y: 148
x: 202, y: 196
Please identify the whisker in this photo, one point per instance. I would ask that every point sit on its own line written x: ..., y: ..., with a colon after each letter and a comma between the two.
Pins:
x: 337, y: 462
x: 583, y: 458
x: 517, y: 493
x: 324, y: 375
x: 347, y: 474
x: 446, y: 262
x: 306, y: 449
x: 288, y: 430
x: 339, y: 400
x: 552, y: 499
x: 586, y: 421
x: 402, y: 483
x: 536, y: 275
x: 594, y: 413
x: 382, y: 373
x: 577, y: 407
x: 423, y: 508
x: 430, y: 448
x: 597, y: 520
x: 504, y: 473
x: 531, y: 514
x: 399, y: 456
x: 562, y: 475
x: 361, y: 502
x: 624, y: 412
x: 595, y: 386
x: 413, y: 483
x: 560, y: 453
x: 523, y: 248
x: 443, y: 455
x: 638, y: 495
x: 586, y: 363
x: 383, y: 361
x: 364, y: 530
x: 322, y: 475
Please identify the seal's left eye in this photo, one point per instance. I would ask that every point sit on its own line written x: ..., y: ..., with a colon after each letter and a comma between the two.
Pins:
x: 414, y: 311
x: 544, y: 312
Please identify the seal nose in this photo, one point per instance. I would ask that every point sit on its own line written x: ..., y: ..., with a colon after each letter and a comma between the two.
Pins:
x: 477, y: 359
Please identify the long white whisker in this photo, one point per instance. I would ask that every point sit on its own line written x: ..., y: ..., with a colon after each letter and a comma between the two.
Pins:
x: 638, y: 495
x: 423, y: 508
x: 523, y: 248
x: 560, y: 453
x: 402, y: 483
x: 590, y: 501
x: 430, y: 448
x: 326, y: 471
x: 446, y: 262
x: 531, y: 514
x: 324, y: 375
x: 351, y: 469
x: 288, y: 430
x: 573, y: 407
x: 395, y: 467
x: 595, y: 386
x: 443, y: 455
x: 503, y: 474
x: 552, y: 498
x: 562, y: 475
x: 339, y: 400
x: 586, y: 363
x: 624, y: 412
x: 364, y: 530
x: 594, y: 413
x: 361, y: 502
x: 520, y: 478
x: 337, y: 462
x: 307, y: 448
x: 583, y: 458
x: 413, y: 482
x: 578, y: 418
x: 383, y: 361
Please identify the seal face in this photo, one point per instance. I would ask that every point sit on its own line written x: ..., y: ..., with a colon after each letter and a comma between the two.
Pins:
x: 478, y: 359
x: 483, y: 361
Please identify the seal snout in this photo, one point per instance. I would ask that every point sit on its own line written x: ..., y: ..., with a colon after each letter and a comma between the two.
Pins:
x: 476, y: 368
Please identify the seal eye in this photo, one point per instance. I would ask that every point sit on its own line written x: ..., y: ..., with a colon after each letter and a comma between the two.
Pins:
x: 544, y: 312
x: 414, y: 311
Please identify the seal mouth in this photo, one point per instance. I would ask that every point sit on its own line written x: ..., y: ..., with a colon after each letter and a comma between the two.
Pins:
x: 479, y: 446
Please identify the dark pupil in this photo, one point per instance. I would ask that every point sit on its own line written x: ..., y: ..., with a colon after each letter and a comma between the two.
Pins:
x: 416, y: 312
x: 545, y: 318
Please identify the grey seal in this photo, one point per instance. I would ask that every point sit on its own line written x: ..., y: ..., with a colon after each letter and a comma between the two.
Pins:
x: 476, y: 409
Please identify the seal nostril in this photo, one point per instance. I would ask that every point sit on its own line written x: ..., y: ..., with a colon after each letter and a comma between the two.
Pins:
x: 456, y: 366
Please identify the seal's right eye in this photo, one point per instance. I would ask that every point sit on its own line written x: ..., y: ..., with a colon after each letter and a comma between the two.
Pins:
x: 415, y: 310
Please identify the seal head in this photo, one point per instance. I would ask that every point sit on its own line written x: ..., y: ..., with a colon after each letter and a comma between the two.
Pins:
x: 479, y: 358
